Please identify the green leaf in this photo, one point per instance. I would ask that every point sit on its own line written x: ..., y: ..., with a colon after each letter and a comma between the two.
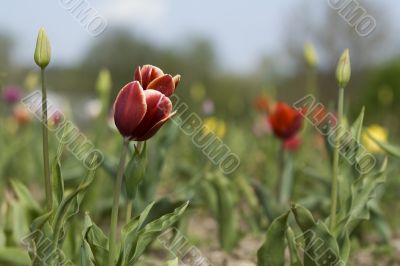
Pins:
x: 14, y: 257
x: 94, y: 249
x: 272, y: 252
x: 57, y: 182
x: 25, y: 196
x: 320, y: 247
x: 87, y: 257
x: 363, y: 191
x: 56, y: 176
x: 226, y: 215
x: 137, y: 236
x: 356, y: 127
x: 295, y: 259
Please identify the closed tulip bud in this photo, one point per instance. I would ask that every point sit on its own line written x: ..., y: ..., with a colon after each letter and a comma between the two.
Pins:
x: 43, y: 49
x: 135, y: 171
x: 104, y: 83
x: 343, y: 71
x: 310, y: 55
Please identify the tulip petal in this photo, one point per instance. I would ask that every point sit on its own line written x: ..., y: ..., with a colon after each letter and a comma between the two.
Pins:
x: 159, y: 108
x: 138, y: 74
x: 129, y: 108
x: 177, y: 80
x: 163, y: 84
x: 155, y: 128
x: 149, y: 73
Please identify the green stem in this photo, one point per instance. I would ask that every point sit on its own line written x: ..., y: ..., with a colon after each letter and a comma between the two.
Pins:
x: 312, y: 81
x: 47, y: 180
x: 335, y: 167
x: 129, y: 207
x: 114, y: 213
x: 281, y: 166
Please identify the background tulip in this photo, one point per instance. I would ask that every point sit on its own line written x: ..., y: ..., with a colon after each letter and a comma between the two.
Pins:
x: 12, y: 94
x: 285, y: 121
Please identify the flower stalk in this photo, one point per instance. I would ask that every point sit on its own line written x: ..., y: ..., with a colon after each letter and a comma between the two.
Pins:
x: 335, y: 169
x: 115, y: 207
x: 42, y: 58
x: 343, y: 74
x: 46, y: 164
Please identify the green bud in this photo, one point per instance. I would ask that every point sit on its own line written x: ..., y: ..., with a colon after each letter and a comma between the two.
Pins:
x: 310, y: 55
x: 135, y: 171
x: 104, y: 83
x: 43, y: 49
x: 343, y: 71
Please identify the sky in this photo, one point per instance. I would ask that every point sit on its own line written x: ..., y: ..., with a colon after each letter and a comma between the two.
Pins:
x: 240, y: 30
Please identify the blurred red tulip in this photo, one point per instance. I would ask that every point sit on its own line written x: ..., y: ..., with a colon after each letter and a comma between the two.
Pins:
x: 292, y: 144
x: 139, y: 113
x: 285, y: 121
x: 151, y: 77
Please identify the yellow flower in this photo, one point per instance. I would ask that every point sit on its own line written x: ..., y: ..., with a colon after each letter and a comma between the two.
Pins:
x: 214, y: 126
x: 377, y: 132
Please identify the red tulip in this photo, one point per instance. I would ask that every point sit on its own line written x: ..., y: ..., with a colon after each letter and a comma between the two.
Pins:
x: 140, y: 113
x: 285, y: 121
x: 151, y: 77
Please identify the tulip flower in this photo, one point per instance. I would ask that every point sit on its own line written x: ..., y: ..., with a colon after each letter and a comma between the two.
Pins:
x: 140, y: 109
x: 285, y: 121
x: 140, y: 113
x: 151, y: 77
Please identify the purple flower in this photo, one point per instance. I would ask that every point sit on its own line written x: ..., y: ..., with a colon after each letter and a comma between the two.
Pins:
x: 12, y: 94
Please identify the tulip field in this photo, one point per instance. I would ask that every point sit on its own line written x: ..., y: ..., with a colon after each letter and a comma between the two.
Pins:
x: 168, y: 162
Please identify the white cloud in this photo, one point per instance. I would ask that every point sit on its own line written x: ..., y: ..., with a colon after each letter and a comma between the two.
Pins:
x: 138, y: 11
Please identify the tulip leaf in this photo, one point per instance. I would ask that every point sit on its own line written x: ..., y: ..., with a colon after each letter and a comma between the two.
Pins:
x: 25, y: 196
x: 14, y: 257
x: 295, y: 259
x: 363, y: 191
x: 94, y: 249
x: 57, y: 183
x: 226, y: 206
x: 272, y: 252
x: 138, y: 234
x: 320, y: 246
